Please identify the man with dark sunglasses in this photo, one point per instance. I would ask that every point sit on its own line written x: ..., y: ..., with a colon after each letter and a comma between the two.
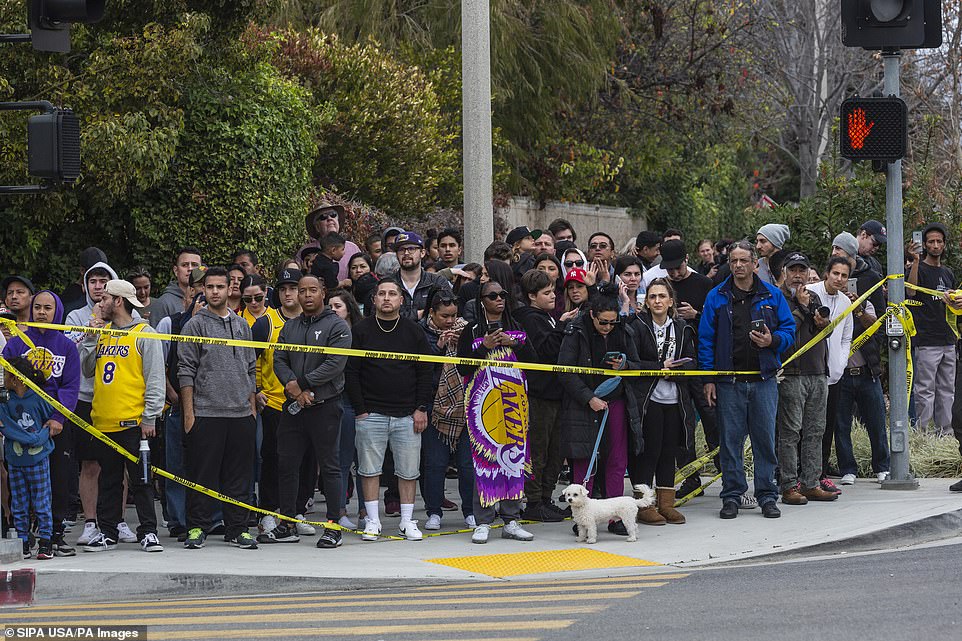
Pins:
x: 601, y: 256
x: 416, y: 282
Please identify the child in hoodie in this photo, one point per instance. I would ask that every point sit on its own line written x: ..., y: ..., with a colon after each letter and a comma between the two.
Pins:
x: 27, y: 448
x: 55, y: 356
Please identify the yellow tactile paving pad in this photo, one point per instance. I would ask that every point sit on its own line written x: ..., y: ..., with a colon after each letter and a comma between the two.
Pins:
x: 502, y: 565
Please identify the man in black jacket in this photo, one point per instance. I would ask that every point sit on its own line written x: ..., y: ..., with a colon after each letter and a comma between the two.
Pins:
x: 415, y: 282
x: 312, y: 382
x: 390, y: 398
x: 544, y: 398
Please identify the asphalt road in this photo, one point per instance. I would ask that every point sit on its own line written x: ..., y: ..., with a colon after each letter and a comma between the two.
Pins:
x: 893, y: 596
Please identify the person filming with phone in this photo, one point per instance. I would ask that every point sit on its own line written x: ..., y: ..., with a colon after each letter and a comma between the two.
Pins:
x: 745, y: 326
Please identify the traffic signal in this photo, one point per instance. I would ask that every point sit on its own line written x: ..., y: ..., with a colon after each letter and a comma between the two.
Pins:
x: 873, y: 129
x: 53, y: 146
x: 892, y: 24
x: 50, y: 21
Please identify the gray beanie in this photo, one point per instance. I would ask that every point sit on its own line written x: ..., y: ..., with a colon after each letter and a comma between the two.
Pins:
x: 847, y: 243
x: 777, y: 234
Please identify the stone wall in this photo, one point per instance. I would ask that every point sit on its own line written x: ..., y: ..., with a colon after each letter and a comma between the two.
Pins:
x: 585, y: 218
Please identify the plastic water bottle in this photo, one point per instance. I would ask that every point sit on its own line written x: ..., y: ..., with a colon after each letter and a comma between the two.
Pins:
x: 145, y: 459
x: 294, y: 407
x: 4, y: 395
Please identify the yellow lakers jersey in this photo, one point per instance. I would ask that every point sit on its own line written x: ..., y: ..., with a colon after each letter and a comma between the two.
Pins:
x: 119, y: 385
x: 267, y: 380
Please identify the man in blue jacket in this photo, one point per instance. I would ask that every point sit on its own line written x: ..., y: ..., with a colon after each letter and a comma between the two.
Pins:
x: 745, y: 327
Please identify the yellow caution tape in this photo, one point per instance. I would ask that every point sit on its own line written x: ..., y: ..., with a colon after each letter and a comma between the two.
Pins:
x: 696, y: 491
x: 694, y: 466
x: 397, y: 356
x: 106, y: 440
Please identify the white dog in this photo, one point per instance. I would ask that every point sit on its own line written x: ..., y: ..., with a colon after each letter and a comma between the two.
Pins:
x: 588, y: 512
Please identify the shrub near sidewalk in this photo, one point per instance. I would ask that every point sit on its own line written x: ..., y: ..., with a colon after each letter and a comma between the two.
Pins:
x: 930, y: 456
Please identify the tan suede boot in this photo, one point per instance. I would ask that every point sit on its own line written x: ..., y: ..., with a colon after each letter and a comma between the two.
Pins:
x: 648, y: 515
x: 666, y: 505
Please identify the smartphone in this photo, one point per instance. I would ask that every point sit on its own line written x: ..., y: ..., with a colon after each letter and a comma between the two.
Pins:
x: 681, y: 361
x: 853, y: 286
x: 494, y: 326
x: 610, y: 356
x: 917, y: 238
x: 758, y: 326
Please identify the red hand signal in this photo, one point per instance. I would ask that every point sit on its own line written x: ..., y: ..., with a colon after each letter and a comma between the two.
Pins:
x: 858, y: 130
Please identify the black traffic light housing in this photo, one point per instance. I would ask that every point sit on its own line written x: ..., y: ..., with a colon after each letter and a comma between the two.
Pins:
x: 53, y: 146
x: 873, y: 129
x: 892, y: 24
x: 50, y: 21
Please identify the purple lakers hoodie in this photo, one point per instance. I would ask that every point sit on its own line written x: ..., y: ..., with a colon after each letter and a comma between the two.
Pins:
x: 53, y: 354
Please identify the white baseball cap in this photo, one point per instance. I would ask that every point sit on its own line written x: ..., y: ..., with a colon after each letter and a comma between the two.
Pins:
x: 123, y: 289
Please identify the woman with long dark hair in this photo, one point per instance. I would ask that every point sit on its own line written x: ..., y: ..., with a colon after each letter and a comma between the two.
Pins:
x: 549, y: 264
x: 665, y: 342
x: 494, y: 328
x: 598, y: 339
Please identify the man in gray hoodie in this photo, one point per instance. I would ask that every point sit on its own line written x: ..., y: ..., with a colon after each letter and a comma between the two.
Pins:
x: 171, y: 300
x: 86, y: 446
x: 217, y: 392
x: 315, y: 382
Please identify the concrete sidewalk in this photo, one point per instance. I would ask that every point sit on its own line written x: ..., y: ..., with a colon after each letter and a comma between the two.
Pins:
x: 864, y: 517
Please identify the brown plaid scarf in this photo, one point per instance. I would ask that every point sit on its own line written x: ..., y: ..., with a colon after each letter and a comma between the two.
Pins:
x: 448, y: 413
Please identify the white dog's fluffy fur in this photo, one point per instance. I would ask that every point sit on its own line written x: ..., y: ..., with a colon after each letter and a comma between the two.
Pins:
x: 588, y: 512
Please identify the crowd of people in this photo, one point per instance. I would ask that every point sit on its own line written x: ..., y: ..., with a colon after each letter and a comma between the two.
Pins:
x: 272, y: 427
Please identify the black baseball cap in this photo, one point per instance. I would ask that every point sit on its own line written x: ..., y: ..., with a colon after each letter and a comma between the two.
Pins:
x: 9, y: 280
x: 794, y: 259
x: 647, y: 239
x: 673, y: 254
x: 518, y: 233
x: 288, y: 277
x: 876, y: 230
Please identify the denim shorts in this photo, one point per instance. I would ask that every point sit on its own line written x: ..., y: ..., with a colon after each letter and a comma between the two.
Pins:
x: 375, y: 432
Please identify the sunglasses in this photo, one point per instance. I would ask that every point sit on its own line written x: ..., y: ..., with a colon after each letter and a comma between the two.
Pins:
x: 503, y: 295
x: 605, y: 323
x: 574, y: 263
x: 598, y: 246
x: 250, y: 299
x: 326, y: 215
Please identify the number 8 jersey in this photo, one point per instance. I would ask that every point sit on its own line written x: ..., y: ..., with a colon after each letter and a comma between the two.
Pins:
x: 119, y: 385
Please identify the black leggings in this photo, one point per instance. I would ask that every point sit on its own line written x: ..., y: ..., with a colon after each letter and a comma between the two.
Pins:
x: 662, y: 429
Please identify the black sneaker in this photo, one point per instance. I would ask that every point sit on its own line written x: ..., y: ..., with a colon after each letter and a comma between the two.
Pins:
x: 283, y: 533
x: 729, y: 510
x: 45, y: 550
x: 26, y: 550
x: 60, y: 547
x: 540, y: 512
x: 618, y: 527
x: 175, y: 531
x: 330, y: 538
x: 688, y: 486
x: 244, y: 541
x: 564, y: 513
x: 770, y: 510
x: 195, y: 539
x: 102, y: 543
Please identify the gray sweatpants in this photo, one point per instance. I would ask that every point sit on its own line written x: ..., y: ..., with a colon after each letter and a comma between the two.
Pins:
x: 934, y: 385
x: 508, y: 510
x: 801, y: 417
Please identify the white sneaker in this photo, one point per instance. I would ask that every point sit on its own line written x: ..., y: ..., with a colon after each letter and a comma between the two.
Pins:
x: 372, y: 530
x: 100, y: 544
x: 882, y: 476
x: 481, y: 534
x: 433, y: 522
x: 848, y: 479
x: 410, y: 531
x: 747, y: 502
x: 125, y: 534
x: 267, y: 524
x: 91, y: 532
x: 513, y: 530
x: 344, y: 521
x: 304, y: 529
x: 150, y: 543
x: 469, y: 521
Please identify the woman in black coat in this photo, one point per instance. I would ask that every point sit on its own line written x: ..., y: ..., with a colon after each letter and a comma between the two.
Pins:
x: 664, y: 341
x: 589, y: 341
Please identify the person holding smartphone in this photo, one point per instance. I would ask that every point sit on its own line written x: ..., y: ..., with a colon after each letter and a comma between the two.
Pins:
x: 665, y: 342
x: 598, y: 338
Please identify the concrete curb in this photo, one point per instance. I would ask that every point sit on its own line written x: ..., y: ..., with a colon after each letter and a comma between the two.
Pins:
x: 926, y: 530
x: 11, y: 551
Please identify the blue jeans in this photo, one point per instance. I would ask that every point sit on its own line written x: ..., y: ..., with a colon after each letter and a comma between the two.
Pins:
x: 435, y: 455
x: 866, y: 392
x: 748, y: 409
x: 347, y: 448
x: 174, y: 451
